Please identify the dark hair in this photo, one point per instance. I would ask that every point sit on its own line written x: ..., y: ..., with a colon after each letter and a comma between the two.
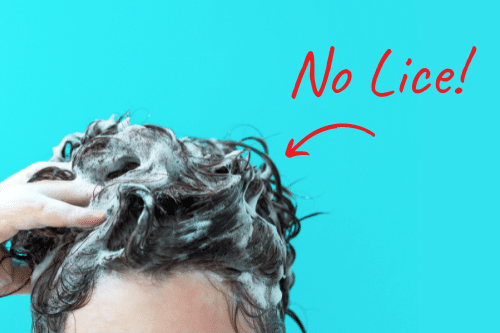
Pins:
x: 219, y: 214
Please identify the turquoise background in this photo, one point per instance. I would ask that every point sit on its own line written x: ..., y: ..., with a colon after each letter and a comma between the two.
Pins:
x: 411, y: 241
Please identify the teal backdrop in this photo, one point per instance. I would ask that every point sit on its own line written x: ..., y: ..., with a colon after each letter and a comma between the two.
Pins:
x: 411, y: 240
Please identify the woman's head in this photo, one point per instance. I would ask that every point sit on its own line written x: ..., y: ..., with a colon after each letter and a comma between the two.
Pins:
x: 170, y: 204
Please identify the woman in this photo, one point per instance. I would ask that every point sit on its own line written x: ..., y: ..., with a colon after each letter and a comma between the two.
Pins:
x: 129, y: 229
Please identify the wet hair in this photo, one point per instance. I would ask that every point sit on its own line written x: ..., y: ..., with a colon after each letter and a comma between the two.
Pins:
x: 219, y: 213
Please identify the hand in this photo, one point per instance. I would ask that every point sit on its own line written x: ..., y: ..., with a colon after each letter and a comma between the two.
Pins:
x: 26, y: 206
x: 46, y: 203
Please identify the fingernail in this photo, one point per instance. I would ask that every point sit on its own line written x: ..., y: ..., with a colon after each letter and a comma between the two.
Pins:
x: 98, y: 217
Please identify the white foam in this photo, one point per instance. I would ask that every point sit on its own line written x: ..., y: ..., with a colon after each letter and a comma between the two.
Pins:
x: 201, y: 228
x: 264, y: 296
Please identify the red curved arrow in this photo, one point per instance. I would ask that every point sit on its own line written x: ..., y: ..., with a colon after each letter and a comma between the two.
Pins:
x: 292, y: 151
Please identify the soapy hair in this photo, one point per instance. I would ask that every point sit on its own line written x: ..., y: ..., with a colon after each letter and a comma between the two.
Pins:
x: 222, y: 214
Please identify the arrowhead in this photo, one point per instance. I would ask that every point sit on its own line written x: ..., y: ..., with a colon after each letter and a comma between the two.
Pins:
x: 291, y: 151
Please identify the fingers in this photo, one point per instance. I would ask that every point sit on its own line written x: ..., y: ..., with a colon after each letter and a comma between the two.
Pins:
x: 24, y: 208
x: 56, y: 213
x: 24, y: 175
x: 35, y: 167
x: 76, y: 192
